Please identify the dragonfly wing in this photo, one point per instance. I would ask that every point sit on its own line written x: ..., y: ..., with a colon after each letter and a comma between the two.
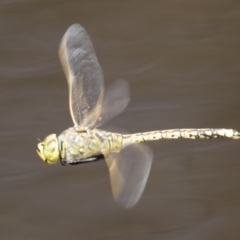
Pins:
x: 115, y: 100
x: 129, y: 172
x: 84, y: 76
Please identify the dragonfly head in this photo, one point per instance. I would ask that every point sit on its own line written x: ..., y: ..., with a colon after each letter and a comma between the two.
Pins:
x: 48, y: 149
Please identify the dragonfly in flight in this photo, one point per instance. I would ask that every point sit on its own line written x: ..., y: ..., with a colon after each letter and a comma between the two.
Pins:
x: 128, y: 160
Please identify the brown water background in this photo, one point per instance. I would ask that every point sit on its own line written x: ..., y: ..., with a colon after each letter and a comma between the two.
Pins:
x: 182, y: 61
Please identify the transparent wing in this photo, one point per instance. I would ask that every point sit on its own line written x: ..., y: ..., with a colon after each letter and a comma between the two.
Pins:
x: 129, y: 172
x: 84, y: 76
x: 115, y: 100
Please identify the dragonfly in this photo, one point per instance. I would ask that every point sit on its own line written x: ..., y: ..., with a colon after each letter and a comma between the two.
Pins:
x: 91, y: 105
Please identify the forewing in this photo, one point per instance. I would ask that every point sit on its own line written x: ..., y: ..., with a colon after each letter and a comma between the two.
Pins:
x: 84, y: 76
x: 129, y: 172
x: 115, y: 100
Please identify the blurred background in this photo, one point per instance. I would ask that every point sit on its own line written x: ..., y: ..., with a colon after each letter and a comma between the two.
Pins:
x: 181, y: 59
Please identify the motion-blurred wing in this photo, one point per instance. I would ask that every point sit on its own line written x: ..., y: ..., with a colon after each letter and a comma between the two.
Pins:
x: 115, y: 100
x: 84, y: 76
x: 129, y: 172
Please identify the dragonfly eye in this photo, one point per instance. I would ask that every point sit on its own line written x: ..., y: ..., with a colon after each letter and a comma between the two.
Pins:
x: 48, y: 150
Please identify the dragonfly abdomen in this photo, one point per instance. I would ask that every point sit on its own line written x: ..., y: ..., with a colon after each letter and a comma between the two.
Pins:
x: 194, y: 133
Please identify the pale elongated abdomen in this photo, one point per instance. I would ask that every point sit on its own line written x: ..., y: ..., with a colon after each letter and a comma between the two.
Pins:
x: 194, y: 133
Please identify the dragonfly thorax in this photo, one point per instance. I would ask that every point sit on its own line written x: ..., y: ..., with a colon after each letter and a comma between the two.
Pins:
x: 78, y: 145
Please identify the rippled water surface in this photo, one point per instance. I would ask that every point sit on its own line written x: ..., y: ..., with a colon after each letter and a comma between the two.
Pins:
x: 181, y: 59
